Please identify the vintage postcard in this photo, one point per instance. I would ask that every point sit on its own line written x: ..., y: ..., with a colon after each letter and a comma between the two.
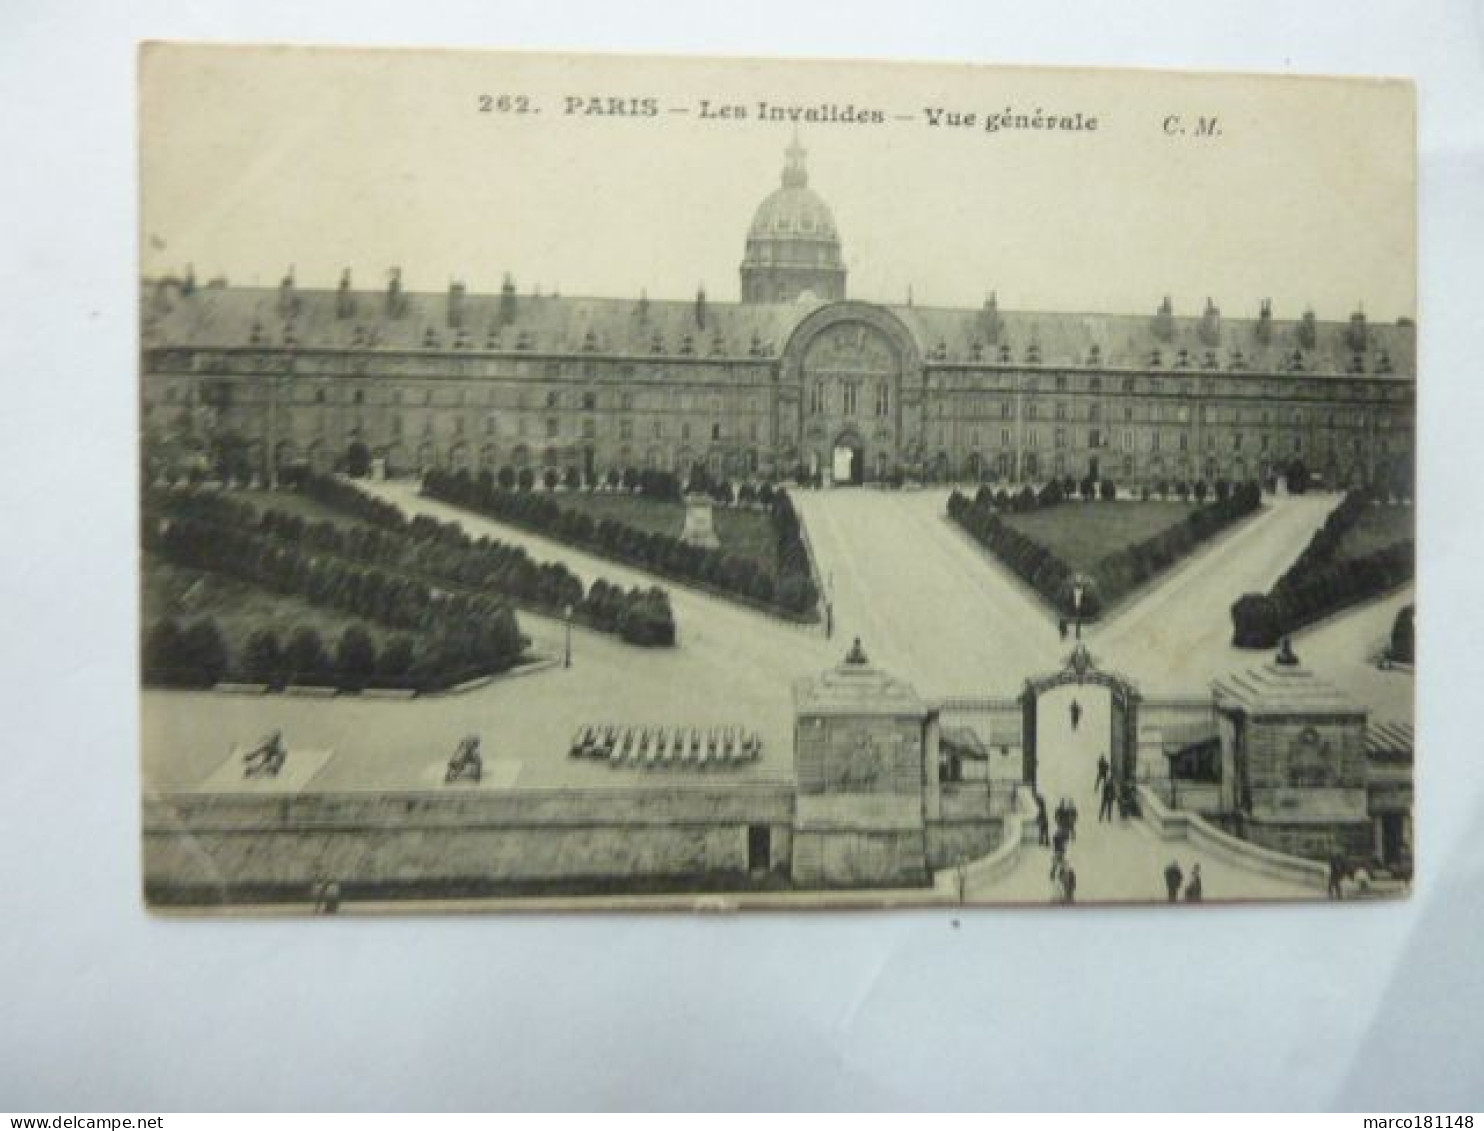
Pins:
x: 592, y: 481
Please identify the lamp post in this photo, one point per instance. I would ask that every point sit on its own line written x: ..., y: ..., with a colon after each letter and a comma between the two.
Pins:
x: 567, y: 655
x: 1077, y: 591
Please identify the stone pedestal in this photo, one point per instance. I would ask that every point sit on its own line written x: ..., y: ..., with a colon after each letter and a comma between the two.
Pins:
x: 699, y: 529
x: 864, y: 773
x: 1293, y: 761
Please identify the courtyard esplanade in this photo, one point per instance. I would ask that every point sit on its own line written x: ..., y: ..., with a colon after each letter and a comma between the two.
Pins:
x: 854, y: 390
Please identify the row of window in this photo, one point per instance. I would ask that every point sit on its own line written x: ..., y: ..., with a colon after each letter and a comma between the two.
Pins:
x: 1129, y: 440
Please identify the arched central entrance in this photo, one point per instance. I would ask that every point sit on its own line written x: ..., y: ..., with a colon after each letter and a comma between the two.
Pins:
x: 848, y: 458
x: 1071, y: 716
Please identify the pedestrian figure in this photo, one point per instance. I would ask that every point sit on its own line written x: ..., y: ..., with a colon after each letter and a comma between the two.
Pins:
x: 1043, y: 838
x: 1058, y: 851
x: 1173, y: 876
x: 1075, y: 710
x: 1061, y: 626
x: 1061, y: 815
x: 1103, y: 769
x: 1069, y: 883
x: 1193, y: 889
x: 1071, y: 820
x: 1110, y: 795
x: 1336, y: 874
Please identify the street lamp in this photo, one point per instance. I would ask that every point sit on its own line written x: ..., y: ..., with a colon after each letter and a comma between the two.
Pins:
x: 567, y: 656
x: 1077, y: 591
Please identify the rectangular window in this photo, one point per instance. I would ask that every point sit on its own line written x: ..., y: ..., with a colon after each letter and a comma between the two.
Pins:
x: 490, y: 426
x: 589, y: 429
x: 589, y: 401
x: 1004, y: 437
x: 1154, y: 441
x: 1061, y: 437
x: 883, y: 399
x: 1128, y: 440
x: 553, y: 427
x: 625, y: 429
x: 1185, y: 441
x: 851, y: 389
x: 659, y: 429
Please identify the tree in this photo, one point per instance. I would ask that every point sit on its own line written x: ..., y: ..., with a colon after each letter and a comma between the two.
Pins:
x: 357, y: 460
x: 526, y: 479
x: 1257, y: 621
x: 1108, y: 490
x: 396, y: 657
x: 1297, y: 477
x: 162, y: 660
x: 204, y: 652
x: 550, y: 478
x: 573, y: 479
x: 355, y: 657
x: 262, y: 658
x: 506, y: 478
x: 305, y: 657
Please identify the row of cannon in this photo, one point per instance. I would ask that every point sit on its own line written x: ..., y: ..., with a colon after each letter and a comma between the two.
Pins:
x: 666, y: 746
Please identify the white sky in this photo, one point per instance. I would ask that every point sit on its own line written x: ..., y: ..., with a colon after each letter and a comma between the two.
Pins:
x: 254, y: 159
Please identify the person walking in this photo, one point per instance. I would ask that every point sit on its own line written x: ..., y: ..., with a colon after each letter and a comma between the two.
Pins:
x: 1069, y: 883
x: 1103, y: 769
x: 1058, y: 851
x: 1173, y: 878
x: 1071, y: 820
x: 1110, y: 795
x: 1193, y: 890
x: 1043, y: 838
x: 1075, y: 710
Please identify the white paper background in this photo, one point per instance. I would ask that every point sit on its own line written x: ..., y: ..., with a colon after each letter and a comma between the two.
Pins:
x: 101, y: 1007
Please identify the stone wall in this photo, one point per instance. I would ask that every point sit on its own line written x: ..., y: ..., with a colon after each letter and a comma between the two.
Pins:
x: 1312, y: 840
x: 223, y: 848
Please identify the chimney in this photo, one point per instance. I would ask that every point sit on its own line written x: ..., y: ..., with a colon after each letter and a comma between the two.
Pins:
x: 1163, y: 324
x: 396, y: 302
x: 643, y: 307
x: 1308, y: 331
x: 507, y: 300
x: 345, y: 303
x: 1210, y: 331
x: 1356, y: 335
x: 288, y: 302
x: 1264, y: 328
x: 993, y: 324
x: 188, y: 284
x: 455, y: 304
x: 701, y: 307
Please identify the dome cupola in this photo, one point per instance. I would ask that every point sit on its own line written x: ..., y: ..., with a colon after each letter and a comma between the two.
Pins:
x: 793, y: 249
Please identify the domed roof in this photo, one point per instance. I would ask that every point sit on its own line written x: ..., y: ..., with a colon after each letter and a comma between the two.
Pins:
x: 794, y: 211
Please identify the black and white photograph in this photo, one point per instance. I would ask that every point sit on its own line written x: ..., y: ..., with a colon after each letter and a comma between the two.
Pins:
x: 621, y: 482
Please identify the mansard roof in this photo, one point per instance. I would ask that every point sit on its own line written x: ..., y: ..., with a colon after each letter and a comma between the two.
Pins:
x: 228, y: 317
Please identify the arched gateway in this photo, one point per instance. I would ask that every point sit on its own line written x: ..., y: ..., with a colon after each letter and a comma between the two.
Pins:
x: 851, y: 370
x: 1122, y: 736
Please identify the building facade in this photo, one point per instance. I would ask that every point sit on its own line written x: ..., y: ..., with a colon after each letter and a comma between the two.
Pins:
x: 794, y: 379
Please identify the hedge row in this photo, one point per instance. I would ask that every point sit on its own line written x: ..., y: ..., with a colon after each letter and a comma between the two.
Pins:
x: 1112, y: 576
x: 793, y: 592
x: 424, y: 551
x: 1316, y: 585
x: 466, y: 629
x: 198, y: 655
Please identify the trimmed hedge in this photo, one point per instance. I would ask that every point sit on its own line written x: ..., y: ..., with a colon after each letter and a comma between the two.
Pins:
x: 1316, y: 585
x: 1109, y: 578
x: 393, y: 573
x: 793, y: 593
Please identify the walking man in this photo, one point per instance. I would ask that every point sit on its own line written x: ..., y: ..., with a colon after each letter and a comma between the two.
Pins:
x: 1071, y: 819
x: 1075, y: 710
x: 1173, y: 876
x: 1069, y: 883
x: 1110, y: 795
x: 1042, y: 826
x: 1103, y: 769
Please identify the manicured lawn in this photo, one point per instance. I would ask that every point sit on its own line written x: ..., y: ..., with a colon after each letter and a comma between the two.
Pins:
x: 241, y: 609
x: 652, y: 516
x: 1378, y: 527
x: 1082, y: 534
x: 745, y: 533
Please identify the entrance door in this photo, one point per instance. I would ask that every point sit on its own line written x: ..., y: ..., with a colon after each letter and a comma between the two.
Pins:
x: 759, y: 848
x: 848, y: 464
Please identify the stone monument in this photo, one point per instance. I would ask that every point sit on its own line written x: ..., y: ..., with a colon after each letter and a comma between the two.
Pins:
x: 699, y: 529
